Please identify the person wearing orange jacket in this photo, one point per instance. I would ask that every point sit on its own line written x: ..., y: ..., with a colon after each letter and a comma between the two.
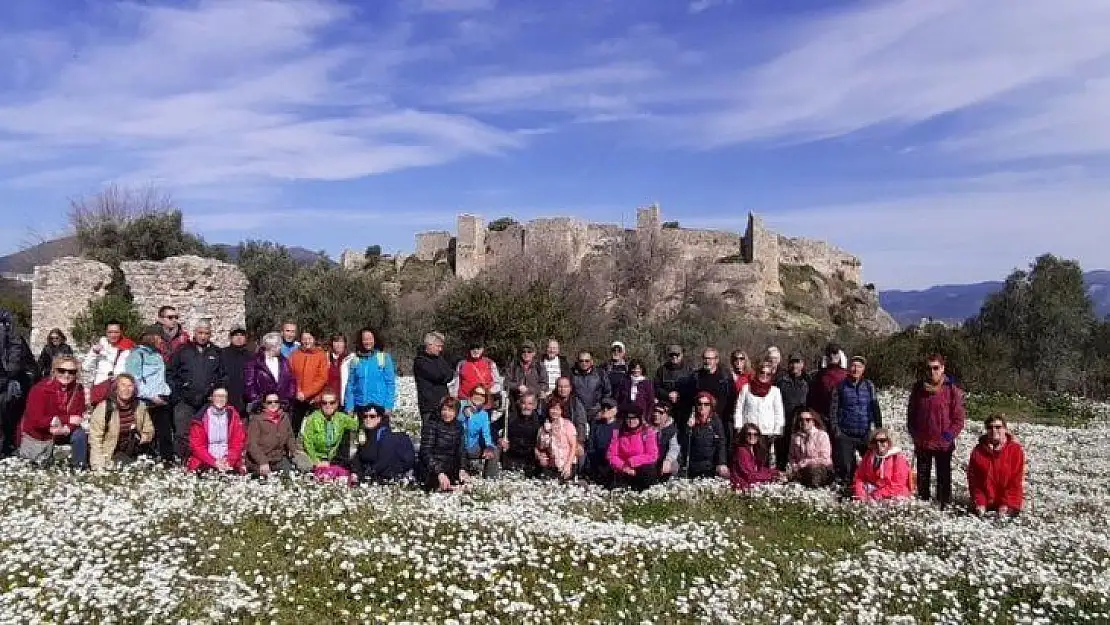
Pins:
x: 310, y: 370
x: 996, y: 471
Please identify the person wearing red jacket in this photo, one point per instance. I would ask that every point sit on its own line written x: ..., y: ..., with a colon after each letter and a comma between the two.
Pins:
x: 217, y: 437
x: 477, y: 369
x: 884, y: 472
x: 827, y: 379
x: 935, y: 416
x: 54, y: 413
x: 996, y: 471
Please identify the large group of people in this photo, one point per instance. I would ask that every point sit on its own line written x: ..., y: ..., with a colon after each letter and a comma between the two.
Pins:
x: 298, y: 404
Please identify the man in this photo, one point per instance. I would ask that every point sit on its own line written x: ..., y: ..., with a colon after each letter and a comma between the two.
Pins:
x: 233, y: 361
x: 173, y: 335
x: 289, y: 338
x: 827, y: 379
x: 554, y: 365
x: 620, y: 379
x: 590, y: 385
x: 794, y: 387
x: 518, y: 443
x: 669, y: 376
x: 107, y: 357
x: 935, y: 416
x: 853, y: 412
x: 597, y: 445
x: 433, y: 375
x: 310, y: 369
x: 667, y: 432
x: 525, y: 374
x: 17, y: 373
x: 477, y: 370
x: 715, y: 380
x: 194, y: 372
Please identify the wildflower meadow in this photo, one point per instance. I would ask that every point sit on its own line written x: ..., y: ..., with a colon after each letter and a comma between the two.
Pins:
x: 148, y: 545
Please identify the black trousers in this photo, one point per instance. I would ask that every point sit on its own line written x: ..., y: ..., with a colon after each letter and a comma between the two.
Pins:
x: 644, y: 478
x: 11, y: 412
x: 782, y: 449
x: 162, y: 416
x: 943, y: 459
x: 844, y: 455
x: 301, y: 409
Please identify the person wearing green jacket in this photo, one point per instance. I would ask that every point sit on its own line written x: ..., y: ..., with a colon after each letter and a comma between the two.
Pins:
x: 322, y: 430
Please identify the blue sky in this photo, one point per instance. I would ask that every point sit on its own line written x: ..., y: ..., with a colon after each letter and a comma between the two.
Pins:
x: 940, y: 140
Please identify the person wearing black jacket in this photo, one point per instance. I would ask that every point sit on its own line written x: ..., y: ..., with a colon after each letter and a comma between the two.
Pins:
x: 715, y: 380
x: 433, y: 373
x: 442, y: 461
x: 670, y: 376
x: 793, y: 384
x: 518, y: 446
x: 597, y: 445
x: 703, y: 450
x: 17, y: 375
x: 195, y: 370
x: 233, y: 360
x: 376, y: 453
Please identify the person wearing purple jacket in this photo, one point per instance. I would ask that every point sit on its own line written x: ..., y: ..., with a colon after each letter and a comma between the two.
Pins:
x: 269, y: 372
x: 640, y: 392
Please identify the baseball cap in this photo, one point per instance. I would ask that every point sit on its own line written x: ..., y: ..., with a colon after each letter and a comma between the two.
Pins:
x: 674, y: 350
x: 617, y: 344
x: 860, y: 359
x: 237, y: 332
x: 608, y: 402
x: 527, y: 346
x: 796, y: 357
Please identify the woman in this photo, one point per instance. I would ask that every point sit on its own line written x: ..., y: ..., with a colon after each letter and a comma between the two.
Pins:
x: 339, y: 365
x: 573, y: 409
x: 641, y: 391
x: 377, y: 454
x: 884, y: 473
x: 269, y: 372
x: 634, y: 452
x: 310, y: 372
x: 441, y: 465
x: 54, y: 414
x: 760, y: 404
x: 996, y: 471
x: 810, y: 461
x: 120, y: 426
x: 482, y: 451
x: 146, y: 365
x: 751, y: 464
x: 741, y: 370
x: 216, y: 437
x: 55, y: 346
x: 706, y: 454
x: 372, y: 378
x: 271, y: 444
x: 557, y: 442
x: 324, y: 430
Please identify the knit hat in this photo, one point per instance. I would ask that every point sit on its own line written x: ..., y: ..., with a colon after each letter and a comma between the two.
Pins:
x: 796, y: 357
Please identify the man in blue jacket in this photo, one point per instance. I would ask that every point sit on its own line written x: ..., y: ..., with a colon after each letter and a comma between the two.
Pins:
x: 853, y: 412
x: 372, y: 379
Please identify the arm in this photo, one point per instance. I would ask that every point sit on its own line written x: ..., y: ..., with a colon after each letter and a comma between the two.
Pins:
x: 738, y: 412
x: 859, y: 489
x: 823, y: 450
x: 198, y: 443
x: 672, y: 451
x: 237, y: 440
x: 354, y: 369
x: 311, y: 442
x: 780, y: 413
x: 35, y: 417
x: 144, y: 424
x: 318, y: 378
x: 650, y: 453
x: 959, y: 413
x: 290, y: 438
x: 1013, y: 495
x: 174, y: 375
x: 255, y: 451
x: 484, y: 434
x: 613, y: 454
x: 976, y: 480
x: 876, y: 409
x: 428, y: 442
x: 834, y: 409
x: 910, y: 425
x: 456, y: 380
x: 498, y: 381
x: 720, y: 452
x: 389, y: 376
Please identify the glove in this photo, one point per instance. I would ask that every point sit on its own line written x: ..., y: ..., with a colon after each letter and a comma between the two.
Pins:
x: 15, y: 390
x: 947, y: 436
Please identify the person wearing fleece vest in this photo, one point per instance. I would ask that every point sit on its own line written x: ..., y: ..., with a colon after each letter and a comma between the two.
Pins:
x: 853, y: 412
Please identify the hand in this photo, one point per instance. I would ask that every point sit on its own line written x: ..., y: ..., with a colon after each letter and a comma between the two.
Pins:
x: 1003, y: 511
x: 565, y: 473
x: 668, y: 467
x: 980, y: 510
x: 61, y: 430
x: 673, y: 396
x: 628, y: 471
x: 323, y: 463
x: 96, y: 349
x: 300, y: 396
x: 722, y: 470
x: 264, y: 470
x: 544, y: 462
x: 444, y: 482
x: 487, y: 454
x: 522, y: 389
x: 76, y: 420
x: 504, y: 444
x: 222, y: 466
x: 464, y: 477
x: 158, y: 401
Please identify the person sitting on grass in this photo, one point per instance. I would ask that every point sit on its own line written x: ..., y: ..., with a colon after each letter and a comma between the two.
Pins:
x: 597, y: 445
x: 884, y: 472
x: 634, y: 452
x: 518, y: 445
x: 482, y: 453
x: 751, y: 463
x: 54, y: 414
x: 377, y: 454
x: 556, y: 442
x: 996, y: 471
x: 810, y: 461
x: 216, y: 437
x: 705, y: 454
x: 441, y: 464
x: 271, y: 445
x: 324, y: 429
x: 667, y: 431
x: 120, y: 427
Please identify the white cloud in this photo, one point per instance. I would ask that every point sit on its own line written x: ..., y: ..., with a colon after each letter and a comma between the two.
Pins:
x: 455, y: 6
x: 701, y: 6
x: 231, y: 90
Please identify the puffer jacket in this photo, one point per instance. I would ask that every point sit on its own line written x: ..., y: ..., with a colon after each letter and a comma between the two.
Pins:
x: 855, y: 409
x: 194, y: 372
x: 995, y: 478
x: 794, y: 391
x: 521, y: 433
x: 372, y: 380
x: 442, y: 448
x: 314, y: 434
x: 310, y: 370
x: 891, y: 480
x: 148, y: 368
x: 935, y: 420
x: 260, y: 380
x: 765, y: 412
x: 669, y: 379
x: 705, y: 448
x: 590, y: 387
x: 633, y: 448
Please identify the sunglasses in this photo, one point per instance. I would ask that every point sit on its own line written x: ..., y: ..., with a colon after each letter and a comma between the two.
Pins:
x: 739, y: 359
x: 996, y: 427
x: 882, y: 441
x: 705, y: 403
x: 64, y: 371
x: 172, y: 317
x: 753, y: 434
x: 329, y: 403
x: 371, y: 415
x: 675, y: 355
x: 935, y: 367
x: 272, y: 402
x: 807, y: 418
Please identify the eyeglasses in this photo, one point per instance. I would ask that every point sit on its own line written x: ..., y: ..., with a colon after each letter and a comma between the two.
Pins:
x: 329, y: 403
x: 64, y: 371
x: 371, y: 415
x: 935, y: 367
x: 882, y: 441
x: 996, y: 427
x: 172, y: 317
x: 705, y: 403
x: 272, y: 402
x: 807, y: 418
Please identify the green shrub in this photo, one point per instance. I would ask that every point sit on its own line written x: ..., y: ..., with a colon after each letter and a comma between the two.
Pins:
x: 88, y: 326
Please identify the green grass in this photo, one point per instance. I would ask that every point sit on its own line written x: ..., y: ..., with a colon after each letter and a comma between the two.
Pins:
x: 1055, y: 410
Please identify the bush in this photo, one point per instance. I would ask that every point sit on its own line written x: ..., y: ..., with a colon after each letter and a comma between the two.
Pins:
x: 501, y: 224
x: 89, y: 325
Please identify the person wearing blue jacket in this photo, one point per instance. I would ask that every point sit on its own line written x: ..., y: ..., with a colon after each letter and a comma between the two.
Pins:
x: 482, y: 451
x: 146, y: 365
x: 372, y: 378
x: 853, y: 412
x: 597, y: 445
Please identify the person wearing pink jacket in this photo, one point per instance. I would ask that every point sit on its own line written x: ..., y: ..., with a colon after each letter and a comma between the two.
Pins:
x: 557, y: 442
x: 884, y: 472
x: 633, y: 452
x: 810, y: 463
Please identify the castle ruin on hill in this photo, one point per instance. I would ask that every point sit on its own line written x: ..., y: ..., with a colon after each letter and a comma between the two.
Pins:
x: 792, y: 282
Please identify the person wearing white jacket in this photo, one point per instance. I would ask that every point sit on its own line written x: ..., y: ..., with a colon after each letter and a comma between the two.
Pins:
x: 108, y: 356
x: 760, y: 403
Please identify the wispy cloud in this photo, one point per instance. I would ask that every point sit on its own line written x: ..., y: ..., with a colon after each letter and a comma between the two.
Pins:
x: 455, y: 6
x: 701, y: 6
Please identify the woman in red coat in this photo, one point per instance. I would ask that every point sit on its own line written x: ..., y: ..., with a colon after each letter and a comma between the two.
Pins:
x: 217, y: 437
x: 54, y: 414
x: 884, y: 472
x: 996, y: 471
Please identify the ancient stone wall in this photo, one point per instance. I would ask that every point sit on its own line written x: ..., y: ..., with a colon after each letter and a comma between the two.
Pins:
x: 470, y: 247
x: 505, y: 245
x: 429, y: 244
x: 648, y: 218
x: 566, y: 240
x: 62, y: 290
x: 199, y: 288
x: 704, y: 244
x: 763, y: 246
x: 826, y: 259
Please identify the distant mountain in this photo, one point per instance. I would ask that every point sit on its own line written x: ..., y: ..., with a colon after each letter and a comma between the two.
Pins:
x: 24, y: 261
x: 957, y: 302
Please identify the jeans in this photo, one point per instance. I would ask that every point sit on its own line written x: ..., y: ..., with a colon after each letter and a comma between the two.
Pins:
x: 925, y: 458
x: 844, y: 455
x: 490, y: 468
x: 42, y: 452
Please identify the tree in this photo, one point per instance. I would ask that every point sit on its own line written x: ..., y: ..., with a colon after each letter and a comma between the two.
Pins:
x: 325, y: 299
x: 501, y: 224
x: 269, y: 269
x: 670, y: 225
x: 89, y: 325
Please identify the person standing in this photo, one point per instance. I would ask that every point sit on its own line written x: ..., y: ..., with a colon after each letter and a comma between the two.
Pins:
x: 173, y: 334
x: 310, y: 369
x: 339, y: 365
x: 194, y: 372
x: 760, y: 404
x: 590, y: 385
x: 17, y: 375
x: 373, y: 378
x: 269, y: 372
x: 289, y: 342
x: 670, y: 376
x: 108, y: 356
x: 828, y: 378
x: 793, y: 385
x: 56, y: 345
x: 433, y: 376
x: 640, y: 391
x: 618, y: 372
x: 526, y: 374
x: 711, y: 378
x: 554, y: 365
x: 935, y: 416
x: 234, y: 359
x: 146, y: 365
x: 854, y: 412
x: 477, y: 369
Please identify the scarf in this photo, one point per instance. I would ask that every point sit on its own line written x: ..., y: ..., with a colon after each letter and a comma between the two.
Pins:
x: 877, y: 463
x: 931, y: 388
x: 273, y: 415
x: 759, y: 388
x: 126, y: 412
x: 217, y: 412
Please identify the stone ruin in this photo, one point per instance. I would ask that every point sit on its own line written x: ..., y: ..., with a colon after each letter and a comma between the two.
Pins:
x: 199, y: 288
